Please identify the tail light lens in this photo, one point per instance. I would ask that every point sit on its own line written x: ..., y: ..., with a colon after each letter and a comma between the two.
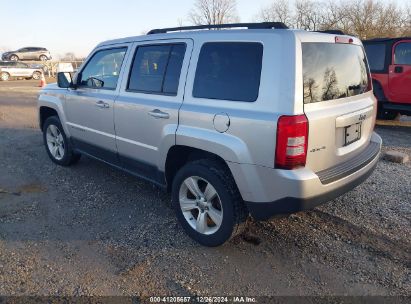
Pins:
x: 292, y: 141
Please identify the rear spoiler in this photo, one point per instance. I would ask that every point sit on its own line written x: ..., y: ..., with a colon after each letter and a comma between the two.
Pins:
x: 335, y: 32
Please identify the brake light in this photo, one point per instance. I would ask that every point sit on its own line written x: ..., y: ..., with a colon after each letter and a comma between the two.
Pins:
x: 292, y: 142
x: 342, y: 39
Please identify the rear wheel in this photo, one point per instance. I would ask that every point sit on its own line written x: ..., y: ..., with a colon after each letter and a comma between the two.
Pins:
x: 36, y: 75
x: 386, y: 114
x: 58, y: 147
x: 4, y: 76
x: 14, y: 58
x: 43, y: 58
x: 207, y: 203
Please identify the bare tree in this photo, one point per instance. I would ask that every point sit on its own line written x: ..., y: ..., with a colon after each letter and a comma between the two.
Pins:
x: 334, y: 16
x: 69, y: 56
x: 308, y: 14
x: 406, y: 31
x: 278, y: 11
x: 213, y: 12
x: 363, y: 18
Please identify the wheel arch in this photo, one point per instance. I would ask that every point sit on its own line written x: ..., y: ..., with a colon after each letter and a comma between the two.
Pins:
x: 378, y: 91
x: 44, y: 113
x: 53, y: 100
x: 180, y: 155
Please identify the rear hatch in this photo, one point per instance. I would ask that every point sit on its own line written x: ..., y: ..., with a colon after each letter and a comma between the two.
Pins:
x: 338, y: 99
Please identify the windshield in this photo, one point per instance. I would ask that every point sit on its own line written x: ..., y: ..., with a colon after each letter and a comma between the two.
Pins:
x: 332, y: 71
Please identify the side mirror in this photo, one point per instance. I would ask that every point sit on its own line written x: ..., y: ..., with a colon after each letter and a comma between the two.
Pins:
x: 65, y: 80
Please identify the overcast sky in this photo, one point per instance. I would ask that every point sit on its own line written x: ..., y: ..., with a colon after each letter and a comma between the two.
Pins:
x: 78, y: 25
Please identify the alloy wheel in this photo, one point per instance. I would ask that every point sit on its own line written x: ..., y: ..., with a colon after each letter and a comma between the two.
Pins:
x: 55, y: 142
x: 201, y: 205
x: 4, y: 76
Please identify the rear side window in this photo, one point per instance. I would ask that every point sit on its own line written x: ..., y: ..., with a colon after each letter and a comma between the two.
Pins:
x: 376, y: 56
x: 156, y: 69
x: 402, y: 54
x: 333, y: 70
x: 229, y: 71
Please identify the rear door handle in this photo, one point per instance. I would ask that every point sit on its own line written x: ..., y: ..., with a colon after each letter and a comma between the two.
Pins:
x: 102, y: 104
x: 159, y: 114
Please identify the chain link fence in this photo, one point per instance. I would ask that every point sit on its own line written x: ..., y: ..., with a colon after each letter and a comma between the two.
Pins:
x: 50, y: 68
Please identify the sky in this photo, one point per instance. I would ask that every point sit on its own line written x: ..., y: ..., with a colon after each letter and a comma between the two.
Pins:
x: 79, y: 25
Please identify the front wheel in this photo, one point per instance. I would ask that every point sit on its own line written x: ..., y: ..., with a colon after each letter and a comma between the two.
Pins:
x: 14, y: 58
x: 207, y: 203
x: 58, y: 147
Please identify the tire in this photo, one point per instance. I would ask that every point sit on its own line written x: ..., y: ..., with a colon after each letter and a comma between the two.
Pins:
x: 386, y: 114
x: 36, y: 75
x: 226, y: 205
x: 43, y: 58
x: 4, y: 76
x: 14, y: 57
x: 53, y: 135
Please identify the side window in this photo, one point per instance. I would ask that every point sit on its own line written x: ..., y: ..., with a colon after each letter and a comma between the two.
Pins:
x: 103, y: 69
x: 229, y: 71
x: 376, y: 56
x: 402, y: 54
x: 156, y: 69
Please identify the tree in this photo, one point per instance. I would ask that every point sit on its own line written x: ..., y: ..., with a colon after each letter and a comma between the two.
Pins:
x: 277, y: 11
x: 308, y: 14
x: 363, y: 18
x: 212, y: 12
x: 69, y: 56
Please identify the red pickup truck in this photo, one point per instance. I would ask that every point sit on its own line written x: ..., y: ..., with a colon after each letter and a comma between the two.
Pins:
x: 390, y: 65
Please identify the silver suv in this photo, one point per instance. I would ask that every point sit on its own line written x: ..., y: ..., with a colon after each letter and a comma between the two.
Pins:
x: 27, y: 53
x: 9, y: 69
x: 259, y: 121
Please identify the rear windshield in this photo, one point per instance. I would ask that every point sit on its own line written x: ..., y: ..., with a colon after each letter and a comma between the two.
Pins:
x: 376, y: 56
x: 332, y: 71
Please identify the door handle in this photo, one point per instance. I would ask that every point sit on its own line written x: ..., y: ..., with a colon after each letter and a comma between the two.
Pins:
x: 159, y: 114
x: 102, y: 104
x: 398, y: 69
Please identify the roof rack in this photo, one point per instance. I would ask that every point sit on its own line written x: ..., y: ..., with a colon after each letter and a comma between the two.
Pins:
x: 262, y: 25
x: 336, y: 32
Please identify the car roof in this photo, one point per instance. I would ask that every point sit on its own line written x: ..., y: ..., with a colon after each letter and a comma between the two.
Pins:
x: 184, y: 35
x: 200, y: 34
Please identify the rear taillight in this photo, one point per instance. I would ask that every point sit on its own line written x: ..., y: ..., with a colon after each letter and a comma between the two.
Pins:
x: 292, y: 141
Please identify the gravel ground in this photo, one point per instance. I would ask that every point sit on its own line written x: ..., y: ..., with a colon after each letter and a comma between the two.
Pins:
x: 92, y: 230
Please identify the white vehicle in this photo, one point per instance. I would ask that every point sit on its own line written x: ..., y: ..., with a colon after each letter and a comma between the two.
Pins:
x: 259, y: 121
x: 9, y: 69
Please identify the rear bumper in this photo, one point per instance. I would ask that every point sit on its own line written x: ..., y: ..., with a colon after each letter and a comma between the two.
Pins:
x: 291, y: 191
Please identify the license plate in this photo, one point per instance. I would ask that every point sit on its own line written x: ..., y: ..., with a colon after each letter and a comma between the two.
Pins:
x: 352, y: 134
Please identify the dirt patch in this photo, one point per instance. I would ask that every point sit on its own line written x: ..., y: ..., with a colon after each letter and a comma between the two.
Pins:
x: 32, y: 188
x: 18, y: 117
